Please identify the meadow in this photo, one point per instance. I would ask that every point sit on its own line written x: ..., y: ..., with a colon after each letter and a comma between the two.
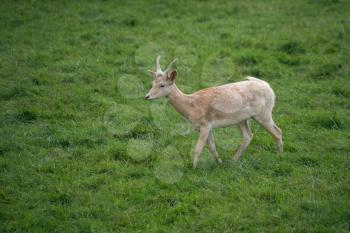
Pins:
x: 82, y: 151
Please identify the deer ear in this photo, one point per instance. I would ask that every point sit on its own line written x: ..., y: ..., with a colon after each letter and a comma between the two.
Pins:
x: 172, y: 75
x: 152, y: 73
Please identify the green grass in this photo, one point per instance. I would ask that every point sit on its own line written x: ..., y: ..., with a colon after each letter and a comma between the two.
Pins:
x: 81, y: 151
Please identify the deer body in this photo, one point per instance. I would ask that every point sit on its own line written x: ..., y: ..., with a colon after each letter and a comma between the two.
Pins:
x: 220, y: 106
x: 224, y: 105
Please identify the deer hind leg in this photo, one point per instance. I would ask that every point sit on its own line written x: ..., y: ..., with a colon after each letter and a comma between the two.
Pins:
x: 267, y: 122
x: 247, y: 138
x: 212, y: 147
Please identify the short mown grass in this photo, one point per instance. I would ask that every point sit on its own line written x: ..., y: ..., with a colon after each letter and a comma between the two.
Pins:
x: 82, y: 151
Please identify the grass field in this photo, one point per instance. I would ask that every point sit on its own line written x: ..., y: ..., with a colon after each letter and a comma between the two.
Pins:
x: 82, y: 151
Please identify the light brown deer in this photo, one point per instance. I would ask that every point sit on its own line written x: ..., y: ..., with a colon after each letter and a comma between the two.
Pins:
x: 220, y: 106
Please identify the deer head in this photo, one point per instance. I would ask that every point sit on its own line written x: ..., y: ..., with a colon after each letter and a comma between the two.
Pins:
x: 163, y: 81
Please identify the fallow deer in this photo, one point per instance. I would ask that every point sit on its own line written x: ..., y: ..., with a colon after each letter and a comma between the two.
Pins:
x: 220, y: 106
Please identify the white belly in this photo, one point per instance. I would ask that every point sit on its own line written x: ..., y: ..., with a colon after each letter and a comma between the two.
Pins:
x: 223, y: 123
x: 232, y: 119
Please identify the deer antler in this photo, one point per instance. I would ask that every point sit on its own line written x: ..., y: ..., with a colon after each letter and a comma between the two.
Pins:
x: 170, y: 66
x: 158, y: 65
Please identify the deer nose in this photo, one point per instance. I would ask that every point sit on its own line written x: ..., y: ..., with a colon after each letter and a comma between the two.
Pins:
x: 146, y: 97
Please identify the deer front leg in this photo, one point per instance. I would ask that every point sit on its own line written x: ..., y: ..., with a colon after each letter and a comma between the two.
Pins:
x: 247, y: 138
x: 203, y: 135
x: 212, y: 147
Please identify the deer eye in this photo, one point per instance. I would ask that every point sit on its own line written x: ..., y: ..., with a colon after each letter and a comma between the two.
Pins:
x: 161, y: 86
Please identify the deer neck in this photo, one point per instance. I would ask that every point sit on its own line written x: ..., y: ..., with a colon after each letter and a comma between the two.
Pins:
x: 180, y: 101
